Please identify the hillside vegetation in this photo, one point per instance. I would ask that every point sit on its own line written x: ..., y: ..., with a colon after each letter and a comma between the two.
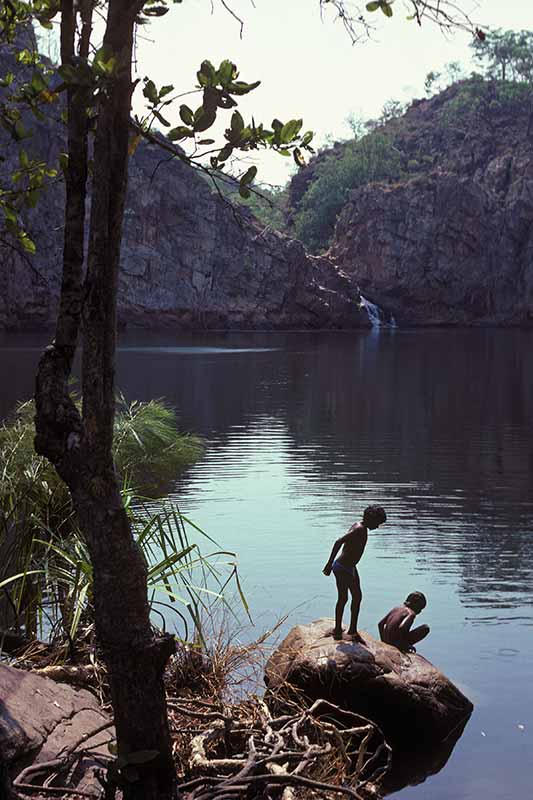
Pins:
x: 457, y: 129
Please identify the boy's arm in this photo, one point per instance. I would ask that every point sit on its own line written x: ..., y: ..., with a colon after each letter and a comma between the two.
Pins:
x: 335, y: 549
x: 406, y: 622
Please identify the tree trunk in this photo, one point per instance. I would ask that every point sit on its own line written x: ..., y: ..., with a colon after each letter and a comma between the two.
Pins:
x: 80, y: 446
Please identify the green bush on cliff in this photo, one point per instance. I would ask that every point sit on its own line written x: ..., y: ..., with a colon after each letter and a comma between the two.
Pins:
x: 269, y: 206
x: 372, y: 158
x: 480, y: 97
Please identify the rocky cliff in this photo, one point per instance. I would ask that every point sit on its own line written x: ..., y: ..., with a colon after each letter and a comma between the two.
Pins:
x: 452, y: 242
x: 189, y: 259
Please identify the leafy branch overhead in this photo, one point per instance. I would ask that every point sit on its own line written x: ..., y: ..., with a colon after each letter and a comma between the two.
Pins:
x: 40, y: 85
x: 219, y: 88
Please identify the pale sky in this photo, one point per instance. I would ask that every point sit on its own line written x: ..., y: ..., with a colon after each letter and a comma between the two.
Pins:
x: 308, y: 68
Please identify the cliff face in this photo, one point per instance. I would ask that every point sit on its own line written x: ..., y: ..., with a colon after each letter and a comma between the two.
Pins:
x: 452, y: 241
x: 188, y: 258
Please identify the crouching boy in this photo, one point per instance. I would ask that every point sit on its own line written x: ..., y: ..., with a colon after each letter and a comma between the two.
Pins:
x: 395, y: 627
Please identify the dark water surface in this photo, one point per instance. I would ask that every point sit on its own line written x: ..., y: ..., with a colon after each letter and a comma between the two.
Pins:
x: 305, y: 430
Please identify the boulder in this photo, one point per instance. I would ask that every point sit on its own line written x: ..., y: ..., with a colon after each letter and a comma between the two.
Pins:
x: 409, y: 698
x: 39, y: 719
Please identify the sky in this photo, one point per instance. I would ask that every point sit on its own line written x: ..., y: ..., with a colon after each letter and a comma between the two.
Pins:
x: 307, y: 65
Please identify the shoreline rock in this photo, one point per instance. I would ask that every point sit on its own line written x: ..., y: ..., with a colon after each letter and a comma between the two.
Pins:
x: 40, y: 718
x: 410, y: 699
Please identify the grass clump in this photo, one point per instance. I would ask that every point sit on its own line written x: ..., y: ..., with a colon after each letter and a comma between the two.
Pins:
x: 45, y: 571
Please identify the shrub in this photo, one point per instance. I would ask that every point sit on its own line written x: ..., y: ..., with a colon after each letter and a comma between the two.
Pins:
x: 372, y: 158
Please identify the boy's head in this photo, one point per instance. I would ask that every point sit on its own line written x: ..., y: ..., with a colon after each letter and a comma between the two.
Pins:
x: 373, y: 517
x: 416, y: 601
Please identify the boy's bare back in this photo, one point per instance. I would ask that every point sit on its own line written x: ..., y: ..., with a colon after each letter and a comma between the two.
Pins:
x: 353, y: 545
x: 396, y: 626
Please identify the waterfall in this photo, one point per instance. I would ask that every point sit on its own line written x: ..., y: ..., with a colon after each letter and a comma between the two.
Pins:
x: 377, y: 316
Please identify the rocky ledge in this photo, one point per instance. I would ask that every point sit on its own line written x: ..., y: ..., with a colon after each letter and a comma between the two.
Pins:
x: 41, y: 721
x: 409, y: 698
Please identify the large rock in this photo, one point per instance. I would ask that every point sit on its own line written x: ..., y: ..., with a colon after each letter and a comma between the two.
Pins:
x: 40, y: 718
x: 409, y: 698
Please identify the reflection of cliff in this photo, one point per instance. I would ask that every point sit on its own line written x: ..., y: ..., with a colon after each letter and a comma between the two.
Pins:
x: 437, y: 424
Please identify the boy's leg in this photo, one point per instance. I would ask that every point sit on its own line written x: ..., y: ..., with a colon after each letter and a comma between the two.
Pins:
x: 342, y: 591
x: 417, y: 634
x: 355, y: 591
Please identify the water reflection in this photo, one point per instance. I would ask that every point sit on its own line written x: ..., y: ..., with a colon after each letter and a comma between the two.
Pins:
x: 304, y: 430
x: 412, y: 767
x: 436, y: 425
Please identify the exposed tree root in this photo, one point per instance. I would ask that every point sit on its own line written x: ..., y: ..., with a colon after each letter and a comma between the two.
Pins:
x: 238, y: 752
x: 243, y: 751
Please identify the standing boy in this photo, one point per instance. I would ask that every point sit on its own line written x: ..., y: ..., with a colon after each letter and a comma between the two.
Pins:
x: 344, y: 568
x: 395, y: 627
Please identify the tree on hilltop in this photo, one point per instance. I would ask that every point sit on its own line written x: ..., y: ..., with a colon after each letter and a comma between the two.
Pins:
x: 505, y: 55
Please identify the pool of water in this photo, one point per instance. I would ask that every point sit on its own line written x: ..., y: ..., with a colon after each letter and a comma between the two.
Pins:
x: 304, y: 430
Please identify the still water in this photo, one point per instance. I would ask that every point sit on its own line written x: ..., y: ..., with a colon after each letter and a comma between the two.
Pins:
x: 305, y: 430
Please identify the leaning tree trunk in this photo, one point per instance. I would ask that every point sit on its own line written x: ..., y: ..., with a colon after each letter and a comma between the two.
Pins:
x: 80, y: 445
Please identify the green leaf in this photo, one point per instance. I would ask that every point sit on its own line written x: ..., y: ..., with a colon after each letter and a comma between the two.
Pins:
x: 181, y: 132
x: 38, y: 83
x: 244, y: 192
x: 373, y: 6
x: 225, y: 153
x: 19, y: 131
x: 10, y: 214
x: 239, y: 87
x: 186, y: 115
x: 207, y: 75
x: 290, y: 130
x: 387, y: 9
x: 237, y: 122
x: 13, y: 578
x: 307, y: 137
x: 150, y: 92
x: 104, y: 61
x: 248, y: 176
x: 206, y: 141
x: 166, y: 90
x: 204, y: 120
x: 226, y: 73
x: 155, y: 11
x: 63, y: 161
x: 241, y: 594
x: 23, y: 159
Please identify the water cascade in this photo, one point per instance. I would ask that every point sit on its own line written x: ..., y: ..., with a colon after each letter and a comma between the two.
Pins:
x: 377, y: 316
